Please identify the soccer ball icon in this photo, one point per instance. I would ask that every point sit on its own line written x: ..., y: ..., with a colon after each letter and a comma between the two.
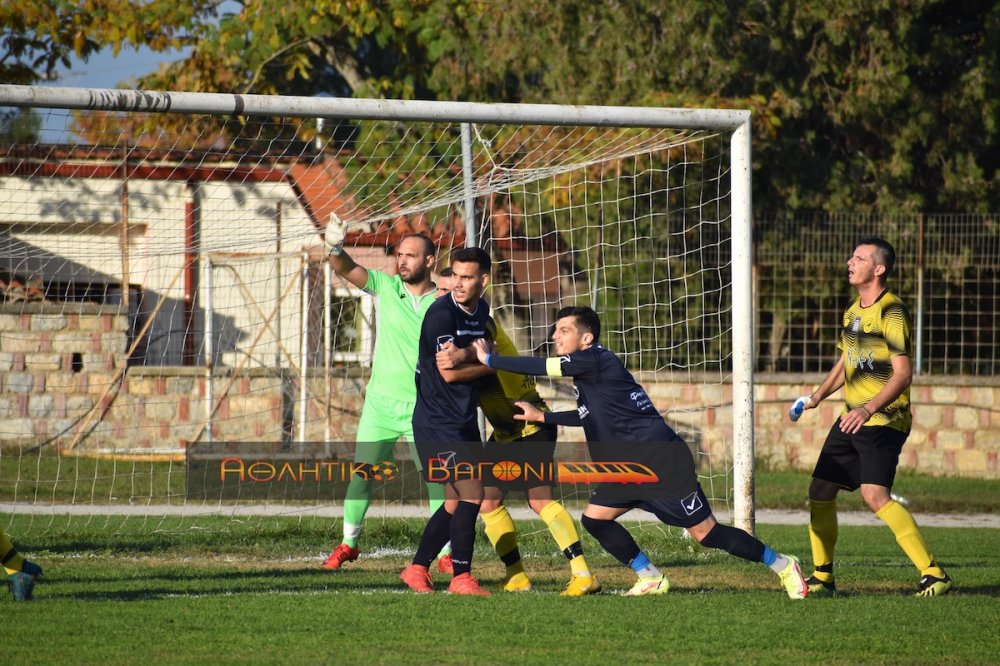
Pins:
x: 383, y: 471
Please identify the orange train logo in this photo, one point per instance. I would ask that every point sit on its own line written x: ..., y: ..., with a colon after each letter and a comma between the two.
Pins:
x: 582, y: 472
x: 605, y: 472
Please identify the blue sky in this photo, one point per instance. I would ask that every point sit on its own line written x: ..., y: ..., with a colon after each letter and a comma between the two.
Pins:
x: 101, y: 70
x: 104, y: 70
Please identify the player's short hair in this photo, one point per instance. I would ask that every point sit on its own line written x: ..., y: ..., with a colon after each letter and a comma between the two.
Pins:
x: 446, y: 272
x: 429, y: 248
x: 475, y: 255
x: 885, y: 254
x: 585, y: 317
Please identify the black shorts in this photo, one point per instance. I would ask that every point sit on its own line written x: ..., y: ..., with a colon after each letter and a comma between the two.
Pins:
x: 685, y: 512
x: 868, y: 456
x: 448, y: 454
x: 532, y: 457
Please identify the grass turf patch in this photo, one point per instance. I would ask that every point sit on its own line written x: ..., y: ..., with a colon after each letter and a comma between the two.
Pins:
x: 229, y: 591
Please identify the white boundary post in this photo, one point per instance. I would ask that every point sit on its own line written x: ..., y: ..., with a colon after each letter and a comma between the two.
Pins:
x: 743, y: 398
x: 209, y: 350
x: 304, y: 349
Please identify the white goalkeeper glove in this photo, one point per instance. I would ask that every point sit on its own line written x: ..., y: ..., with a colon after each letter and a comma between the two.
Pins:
x: 334, y: 237
x: 798, y: 407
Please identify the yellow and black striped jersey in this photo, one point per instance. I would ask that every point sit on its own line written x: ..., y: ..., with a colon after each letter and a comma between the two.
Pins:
x: 870, y: 338
x: 498, y: 392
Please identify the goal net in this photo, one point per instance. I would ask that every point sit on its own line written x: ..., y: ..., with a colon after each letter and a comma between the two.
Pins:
x: 164, y: 287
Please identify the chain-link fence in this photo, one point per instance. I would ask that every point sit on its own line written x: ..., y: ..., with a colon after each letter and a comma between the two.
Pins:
x: 947, y: 271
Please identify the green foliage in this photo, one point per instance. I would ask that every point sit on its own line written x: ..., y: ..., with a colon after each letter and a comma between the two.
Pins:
x: 19, y: 125
x: 857, y: 105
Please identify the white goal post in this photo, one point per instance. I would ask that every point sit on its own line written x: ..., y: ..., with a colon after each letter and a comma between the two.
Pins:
x: 655, y: 147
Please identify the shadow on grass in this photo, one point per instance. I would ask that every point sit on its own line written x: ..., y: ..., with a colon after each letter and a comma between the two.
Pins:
x: 202, y: 583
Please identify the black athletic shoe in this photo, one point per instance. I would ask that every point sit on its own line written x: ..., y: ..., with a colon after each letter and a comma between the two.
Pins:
x: 821, y: 588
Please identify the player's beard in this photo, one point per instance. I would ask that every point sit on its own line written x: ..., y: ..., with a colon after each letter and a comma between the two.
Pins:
x: 418, y: 275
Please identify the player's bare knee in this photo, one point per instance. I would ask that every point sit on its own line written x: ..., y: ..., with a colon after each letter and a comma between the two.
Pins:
x: 537, y: 504
x: 874, y: 496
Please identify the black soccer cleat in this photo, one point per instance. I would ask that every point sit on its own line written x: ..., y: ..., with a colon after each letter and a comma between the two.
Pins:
x: 821, y: 588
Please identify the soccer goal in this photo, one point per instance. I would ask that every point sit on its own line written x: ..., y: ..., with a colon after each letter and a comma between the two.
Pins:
x: 164, y: 283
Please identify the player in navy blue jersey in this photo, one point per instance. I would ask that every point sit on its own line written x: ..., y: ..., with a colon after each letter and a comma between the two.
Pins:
x: 445, y: 422
x: 621, y: 423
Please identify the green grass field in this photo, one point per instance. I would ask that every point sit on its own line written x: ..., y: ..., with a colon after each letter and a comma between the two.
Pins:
x: 252, y: 591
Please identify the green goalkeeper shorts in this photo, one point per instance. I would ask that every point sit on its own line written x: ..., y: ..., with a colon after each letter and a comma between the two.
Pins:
x: 383, y: 421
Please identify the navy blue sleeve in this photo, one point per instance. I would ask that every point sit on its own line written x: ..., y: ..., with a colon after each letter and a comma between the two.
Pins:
x: 569, y: 418
x: 522, y: 365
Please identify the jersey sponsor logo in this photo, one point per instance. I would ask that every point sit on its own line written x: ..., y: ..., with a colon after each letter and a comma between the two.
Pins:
x: 442, y: 340
x: 859, y: 359
x: 691, y: 504
x: 472, y: 333
x: 640, y: 399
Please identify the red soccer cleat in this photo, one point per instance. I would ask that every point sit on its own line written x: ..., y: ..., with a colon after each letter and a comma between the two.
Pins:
x: 342, y: 553
x: 466, y: 584
x: 417, y: 578
x: 445, y: 565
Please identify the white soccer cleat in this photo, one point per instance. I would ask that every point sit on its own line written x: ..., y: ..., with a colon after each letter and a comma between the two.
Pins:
x: 792, y: 579
x: 646, y: 586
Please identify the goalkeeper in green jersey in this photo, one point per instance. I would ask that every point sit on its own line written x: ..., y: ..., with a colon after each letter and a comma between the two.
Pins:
x: 530, y: 445
x: 21, y: 574
x: 863, y: 446
x: 401, y: 301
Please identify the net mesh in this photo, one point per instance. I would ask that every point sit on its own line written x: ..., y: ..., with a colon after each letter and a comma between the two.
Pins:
x: 164, y: 284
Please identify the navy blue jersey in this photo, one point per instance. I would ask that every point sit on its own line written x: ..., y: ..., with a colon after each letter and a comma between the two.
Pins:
x: 612, y: 406
x: 618, y: 418
x: 440, y: 404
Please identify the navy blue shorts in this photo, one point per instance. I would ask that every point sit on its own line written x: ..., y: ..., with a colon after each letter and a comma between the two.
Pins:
x: 868, y: 456
x: 685, y: 512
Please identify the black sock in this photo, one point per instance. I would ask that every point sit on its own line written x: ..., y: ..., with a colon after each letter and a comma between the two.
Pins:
x: 463, y: 536
x: 435, y: 536
x: 613, y: 538
x: 735, y: 542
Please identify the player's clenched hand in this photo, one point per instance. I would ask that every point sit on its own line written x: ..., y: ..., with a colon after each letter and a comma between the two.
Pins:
x: 483, y: 347
x: 531, y: 413
x: 450, y: 356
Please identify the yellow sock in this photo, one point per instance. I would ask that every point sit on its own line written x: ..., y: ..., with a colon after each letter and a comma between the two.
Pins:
x: 501, y: 533
x: 563, y: 530
x: 12, y: 561
x: 823, y: 536
x: 908, y: 537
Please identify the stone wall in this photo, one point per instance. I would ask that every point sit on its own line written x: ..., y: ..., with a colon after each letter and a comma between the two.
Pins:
x: 62, y: 382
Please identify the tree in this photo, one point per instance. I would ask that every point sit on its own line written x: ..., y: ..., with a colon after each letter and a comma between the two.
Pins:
x: 20, y: 125
x: 858, y: 104
x: 40, y: 35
